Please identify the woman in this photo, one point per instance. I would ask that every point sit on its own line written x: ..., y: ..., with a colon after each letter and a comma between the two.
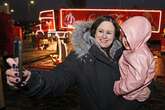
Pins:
x: 93, y: 67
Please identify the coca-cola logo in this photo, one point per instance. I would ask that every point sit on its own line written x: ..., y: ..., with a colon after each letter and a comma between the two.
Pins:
x: 69, y: 20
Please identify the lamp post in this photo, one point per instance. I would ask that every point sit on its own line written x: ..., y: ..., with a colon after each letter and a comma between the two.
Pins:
x: 4, y: 7
x: 30, y: 4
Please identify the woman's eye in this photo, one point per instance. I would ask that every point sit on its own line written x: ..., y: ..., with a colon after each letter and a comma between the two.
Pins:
x: 109, y: 33
x: 100, y: 31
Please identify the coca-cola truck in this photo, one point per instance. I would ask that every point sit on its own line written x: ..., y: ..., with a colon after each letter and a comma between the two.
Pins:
x: 53, y: 22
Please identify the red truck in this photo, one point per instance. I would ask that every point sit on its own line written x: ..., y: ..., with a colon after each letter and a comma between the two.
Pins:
x: 53, y: 21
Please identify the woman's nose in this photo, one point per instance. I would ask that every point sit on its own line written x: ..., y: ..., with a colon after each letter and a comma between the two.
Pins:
x: 104, y: 35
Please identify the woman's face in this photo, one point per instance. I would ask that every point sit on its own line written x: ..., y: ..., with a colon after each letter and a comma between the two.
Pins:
x: 105, y: 34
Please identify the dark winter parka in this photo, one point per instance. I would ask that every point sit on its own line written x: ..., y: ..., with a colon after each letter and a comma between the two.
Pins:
x: 89, y: 67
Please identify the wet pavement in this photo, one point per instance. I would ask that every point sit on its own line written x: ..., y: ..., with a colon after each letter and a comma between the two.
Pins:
x: 30, y: 56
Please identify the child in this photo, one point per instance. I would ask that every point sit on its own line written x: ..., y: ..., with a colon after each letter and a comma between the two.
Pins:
x: 137, y: 63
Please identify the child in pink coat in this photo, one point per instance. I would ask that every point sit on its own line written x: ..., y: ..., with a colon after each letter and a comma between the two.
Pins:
x: 137, y: 65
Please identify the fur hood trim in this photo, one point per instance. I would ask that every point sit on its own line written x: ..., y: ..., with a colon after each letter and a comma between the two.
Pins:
x: 82, y: 39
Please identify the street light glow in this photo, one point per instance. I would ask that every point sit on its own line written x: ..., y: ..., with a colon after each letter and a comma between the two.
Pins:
x: 5, y: 4
x: 12, y: 10
x: 32, y: 2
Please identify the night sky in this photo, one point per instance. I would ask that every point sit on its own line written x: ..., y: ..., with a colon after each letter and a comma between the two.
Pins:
x: 23, y: 12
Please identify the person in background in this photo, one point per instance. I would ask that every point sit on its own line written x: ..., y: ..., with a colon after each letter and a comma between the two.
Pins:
x: 137, y: 64
x: 92, y: 67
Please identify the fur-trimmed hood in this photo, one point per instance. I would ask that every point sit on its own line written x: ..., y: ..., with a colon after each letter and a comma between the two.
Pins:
x: 82, y: 39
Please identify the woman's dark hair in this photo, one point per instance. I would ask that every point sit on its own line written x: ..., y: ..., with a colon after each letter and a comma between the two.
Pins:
x: 99, y: 20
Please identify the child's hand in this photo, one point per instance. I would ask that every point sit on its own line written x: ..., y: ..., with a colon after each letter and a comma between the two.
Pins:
x: 116, y: 88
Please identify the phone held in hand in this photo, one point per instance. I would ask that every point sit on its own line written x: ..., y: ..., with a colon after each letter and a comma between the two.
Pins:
x: 17, y: 52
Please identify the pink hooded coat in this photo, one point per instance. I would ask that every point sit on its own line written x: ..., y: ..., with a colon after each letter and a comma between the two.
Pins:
x: 137, y: 65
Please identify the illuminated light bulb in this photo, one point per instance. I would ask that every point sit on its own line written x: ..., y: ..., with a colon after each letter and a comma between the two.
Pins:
x: 11, y: 10
x: 5, y: 4
x: 32, y: 2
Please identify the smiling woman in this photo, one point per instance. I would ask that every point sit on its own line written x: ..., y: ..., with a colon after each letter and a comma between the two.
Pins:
x: 105, y: 34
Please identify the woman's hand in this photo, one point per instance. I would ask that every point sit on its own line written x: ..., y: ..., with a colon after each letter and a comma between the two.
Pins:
x: 12, y: 73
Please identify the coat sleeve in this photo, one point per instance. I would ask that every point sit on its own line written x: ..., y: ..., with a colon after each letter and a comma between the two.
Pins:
x: 134, y: 77
x: 53, y: 82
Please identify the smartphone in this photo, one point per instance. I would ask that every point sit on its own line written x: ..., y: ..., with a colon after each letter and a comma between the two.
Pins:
x: 17, y: 52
